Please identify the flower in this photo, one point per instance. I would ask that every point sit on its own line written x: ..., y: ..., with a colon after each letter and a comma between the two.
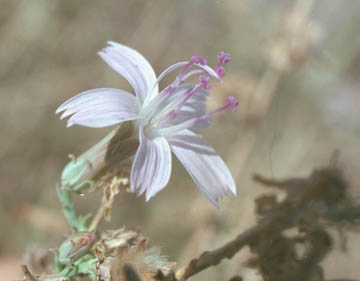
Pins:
x: 163, y: 120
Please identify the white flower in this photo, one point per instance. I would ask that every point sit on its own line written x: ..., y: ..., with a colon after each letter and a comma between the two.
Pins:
x: 163, y: 120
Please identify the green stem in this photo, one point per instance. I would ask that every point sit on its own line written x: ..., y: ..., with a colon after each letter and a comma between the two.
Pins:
x: 77, y: 223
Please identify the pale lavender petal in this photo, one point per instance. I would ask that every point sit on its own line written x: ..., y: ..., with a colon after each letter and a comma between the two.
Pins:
x: 165, y: 102
x: 205, y: 166
x: 175, y: 66
x: 163, y: 105
x: 151, y: 168
x: 100, y: 108
x: 170, y: 69
x: 133, y: 67
x: 194, y: 107
x: 191, y: 115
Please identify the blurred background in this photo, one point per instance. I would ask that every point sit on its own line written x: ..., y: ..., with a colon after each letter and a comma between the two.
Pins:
x: 295, y: 69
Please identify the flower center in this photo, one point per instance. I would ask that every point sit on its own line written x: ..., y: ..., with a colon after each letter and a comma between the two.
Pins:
x: 176, y: 108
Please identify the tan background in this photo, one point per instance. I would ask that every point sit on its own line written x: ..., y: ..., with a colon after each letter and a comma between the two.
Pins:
x: 48, y: 53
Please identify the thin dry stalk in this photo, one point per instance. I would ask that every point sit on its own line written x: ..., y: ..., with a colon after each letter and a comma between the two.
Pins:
x: 325, y: 188
x: 28, y: 274
x: 285, y: 54
x: 111, y: 188
x: 212, y: 258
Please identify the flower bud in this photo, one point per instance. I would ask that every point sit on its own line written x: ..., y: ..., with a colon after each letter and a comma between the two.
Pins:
x: 115, y: 148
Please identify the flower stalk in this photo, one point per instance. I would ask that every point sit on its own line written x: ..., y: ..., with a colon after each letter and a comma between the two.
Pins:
x: 77, y: 223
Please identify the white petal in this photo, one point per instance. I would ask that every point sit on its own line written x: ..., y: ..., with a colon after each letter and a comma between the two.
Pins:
x: 175, y: 66
x: 171, y: 68
x: 163, y: 104
x: 204, y: 165
x: 194, y: 107
x: 151, y: 168
x: 188, y: 117
x: 100, y: 108
x: 133, y: 67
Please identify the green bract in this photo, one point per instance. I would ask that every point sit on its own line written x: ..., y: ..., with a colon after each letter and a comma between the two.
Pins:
x: 74, y: 255
x: 72, y: 176
x: 118, y: 146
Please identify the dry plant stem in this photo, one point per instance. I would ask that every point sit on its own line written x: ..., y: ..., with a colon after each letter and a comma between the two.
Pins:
x: 286, y: 216
x: 106, y: 203
x: 27, y: 273
x: 97, y: 218
x: 67, y: 203
x: 262, y: 96
x: 212, y: 258
x: 204, y: 231
x: 264, y: 90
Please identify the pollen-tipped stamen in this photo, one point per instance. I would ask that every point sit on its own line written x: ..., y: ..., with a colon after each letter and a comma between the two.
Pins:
x: 183, y: 75
x: 192, y: 73
x: 171, y: 110
x: 194, y: 60
x: 203, y: 85
x: 224, y: 58
x: 231, y: 102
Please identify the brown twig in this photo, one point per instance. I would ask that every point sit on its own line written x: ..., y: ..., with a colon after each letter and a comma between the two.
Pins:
x: 28, y: 274
x: 97, y: 218
x: 286, y: 215
x: 111, y: 189
x: 211, y: 258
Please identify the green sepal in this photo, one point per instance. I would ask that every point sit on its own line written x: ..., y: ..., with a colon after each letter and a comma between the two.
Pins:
x: 62, y: 254
x: 76, y: 256
x: 88, y: 268
x: 82, y: 222
x: 72, y: 175
x: 85, y: 265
